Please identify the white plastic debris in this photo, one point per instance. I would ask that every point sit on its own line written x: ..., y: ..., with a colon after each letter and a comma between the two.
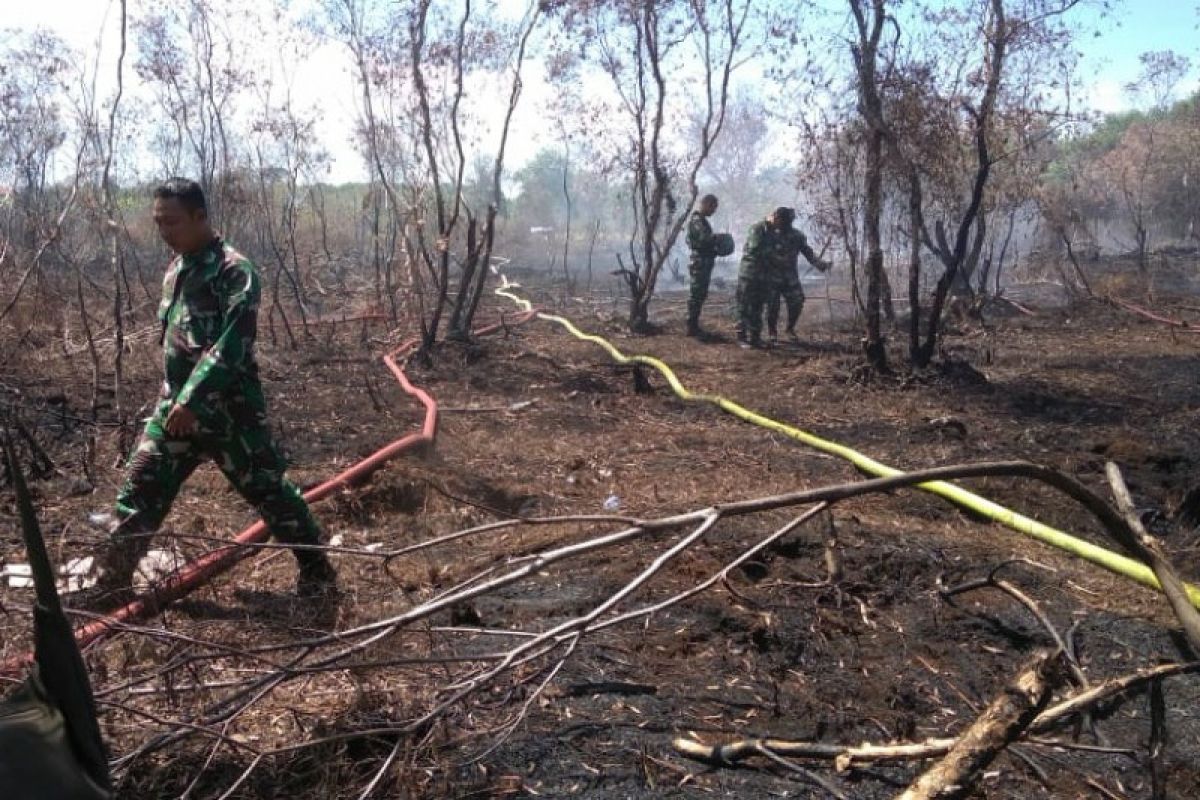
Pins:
x: 612, y: 503
x: 521, y: 405
x: 18, y: 576
x: 157, y: 564
x: 77, y: 574
x: 336, y: 540
x: 372, y: 547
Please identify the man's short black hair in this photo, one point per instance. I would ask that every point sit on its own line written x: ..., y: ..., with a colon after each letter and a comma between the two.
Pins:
x: 186, y: 191
x: 785, y: 215
x: 708, y: 199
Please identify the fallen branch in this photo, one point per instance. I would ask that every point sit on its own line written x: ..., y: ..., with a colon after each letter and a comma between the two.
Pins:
x: 1008, y: 716
x: 847, y: 756
x: 1150, y: 551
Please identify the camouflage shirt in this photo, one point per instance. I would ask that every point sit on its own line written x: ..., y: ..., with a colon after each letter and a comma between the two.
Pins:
x: 209, y: 317
x: 770, y: 250
x: 700, y: 238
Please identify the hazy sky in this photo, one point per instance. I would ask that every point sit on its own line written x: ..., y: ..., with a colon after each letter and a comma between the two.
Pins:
x: 324, y: 78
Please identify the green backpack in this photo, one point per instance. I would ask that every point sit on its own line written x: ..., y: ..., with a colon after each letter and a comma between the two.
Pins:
x: 50, y: 746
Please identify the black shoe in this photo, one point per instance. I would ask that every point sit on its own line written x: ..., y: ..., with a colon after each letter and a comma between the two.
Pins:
x: 317, y: 579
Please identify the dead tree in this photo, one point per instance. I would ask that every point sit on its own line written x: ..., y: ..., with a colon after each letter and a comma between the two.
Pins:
x: 644, y: 49
x: 189, y: 58
x: 415, y: 145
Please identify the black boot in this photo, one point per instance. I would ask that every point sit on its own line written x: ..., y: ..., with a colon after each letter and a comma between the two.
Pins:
x: 793, y: 318
x: 753, y: 342
x: 317, y: 579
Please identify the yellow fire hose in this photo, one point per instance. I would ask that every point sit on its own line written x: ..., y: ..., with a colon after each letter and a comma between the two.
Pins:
x: 1114, y: 562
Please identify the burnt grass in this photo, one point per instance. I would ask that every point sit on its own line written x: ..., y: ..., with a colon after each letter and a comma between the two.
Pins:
x: 776, y: 650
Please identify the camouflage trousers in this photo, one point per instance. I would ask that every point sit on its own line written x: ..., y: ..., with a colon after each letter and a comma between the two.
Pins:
x: 700, y: 270
x: 786, y: 286
x: 751, y: 295
x: 245, y: 454
x: 758, y: 290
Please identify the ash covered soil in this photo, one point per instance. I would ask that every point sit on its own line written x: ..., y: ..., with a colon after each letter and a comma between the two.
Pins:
x: 536, y: 423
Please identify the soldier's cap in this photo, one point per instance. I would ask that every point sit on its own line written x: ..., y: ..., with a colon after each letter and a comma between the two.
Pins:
x: 784, y: 214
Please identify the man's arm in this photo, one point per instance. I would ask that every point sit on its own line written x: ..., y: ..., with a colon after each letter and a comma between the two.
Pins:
x: 237, y: 286
x: 813, y: 258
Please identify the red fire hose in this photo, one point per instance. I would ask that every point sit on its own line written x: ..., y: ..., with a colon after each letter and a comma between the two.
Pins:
x: 196, y: 573
x: 1143, y: 312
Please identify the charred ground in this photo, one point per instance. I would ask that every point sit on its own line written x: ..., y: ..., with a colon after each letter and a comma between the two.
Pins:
x: 537, y: 423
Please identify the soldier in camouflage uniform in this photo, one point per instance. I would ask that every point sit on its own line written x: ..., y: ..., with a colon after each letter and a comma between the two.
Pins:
x: 703, y: 257
x: 768, y: 269
x: 211, y: 404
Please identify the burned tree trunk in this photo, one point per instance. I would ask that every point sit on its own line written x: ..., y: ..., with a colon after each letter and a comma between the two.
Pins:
x: 871, y: 108
x: 953, y: 259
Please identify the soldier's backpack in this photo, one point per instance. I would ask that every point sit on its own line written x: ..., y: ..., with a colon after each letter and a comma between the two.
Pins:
x: 50, y: 746
x: 723, y: 244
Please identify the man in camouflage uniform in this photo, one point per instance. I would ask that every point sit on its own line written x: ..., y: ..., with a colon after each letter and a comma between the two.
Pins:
x: 211, y: 404
x: 768, y: 269
x: 700, y: 241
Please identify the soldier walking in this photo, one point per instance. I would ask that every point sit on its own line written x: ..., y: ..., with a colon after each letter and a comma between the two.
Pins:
x: 769, y: 271
x: 211, y: 404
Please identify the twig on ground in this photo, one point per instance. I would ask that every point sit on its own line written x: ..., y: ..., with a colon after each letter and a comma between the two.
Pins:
x: 1080, y: 678
x: 806, y: 774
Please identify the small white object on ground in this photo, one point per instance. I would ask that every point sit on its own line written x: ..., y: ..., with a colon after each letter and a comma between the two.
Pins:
x: 612, y: 503
x: 20, y: 576
x: 77, y: 574
x: 157, y: 564
x: 100, y: 519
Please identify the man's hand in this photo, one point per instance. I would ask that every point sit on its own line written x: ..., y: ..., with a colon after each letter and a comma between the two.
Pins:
x: 180, y: 421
